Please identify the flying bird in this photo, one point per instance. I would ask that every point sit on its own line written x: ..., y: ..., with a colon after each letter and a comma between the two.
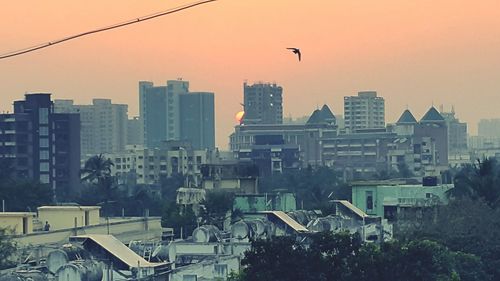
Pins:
x: 295, y: 51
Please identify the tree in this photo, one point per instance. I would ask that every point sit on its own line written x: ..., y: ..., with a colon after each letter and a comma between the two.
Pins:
x: 97, y: 171
x: 7, y: 249
x: 478, y: 181
x: 178, y: 217
x: 343, y: 257
x: 216, y: 206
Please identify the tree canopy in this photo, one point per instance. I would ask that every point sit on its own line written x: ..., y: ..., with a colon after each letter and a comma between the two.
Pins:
x: 343, y: 257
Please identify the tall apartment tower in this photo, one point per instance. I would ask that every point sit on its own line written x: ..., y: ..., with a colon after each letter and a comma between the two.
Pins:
x: 103, y: 125
x: 135, y: 134
x: 40, y: 144
x: 159, y: 111
x: 197, y: 116
x: 263, y: 103
x: 365, y: 110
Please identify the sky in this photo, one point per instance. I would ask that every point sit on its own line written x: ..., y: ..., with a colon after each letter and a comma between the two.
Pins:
x: 415, y: 54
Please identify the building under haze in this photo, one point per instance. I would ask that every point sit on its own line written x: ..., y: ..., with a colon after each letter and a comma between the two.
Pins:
x: 160, y: 111
x: 42, y: 145
x: 103, y: 125
x: 489, y: 128
x: 171, y: 112
x: 364, y: 111
x: 135, y: 136
x: 457, y: 133
x: 197, y: 114
x: 263, y: 103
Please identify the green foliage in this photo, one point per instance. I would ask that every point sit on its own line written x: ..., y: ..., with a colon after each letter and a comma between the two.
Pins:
x: 7, y: 249
x: 467, y: 226
x: 21, y: 195
x: 216, y: 205
x: 343, y: 257
x: 169, y: 186
x: 313, y: 186
x: 177, y: 217
x: 478, y: 181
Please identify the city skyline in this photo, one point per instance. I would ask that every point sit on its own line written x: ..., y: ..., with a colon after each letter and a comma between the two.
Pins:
x: 450, y: 58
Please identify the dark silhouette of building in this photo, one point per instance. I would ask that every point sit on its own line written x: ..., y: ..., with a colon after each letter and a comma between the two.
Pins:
x: 41, y: 145
x: 263, y: 103
x: 198, y: 119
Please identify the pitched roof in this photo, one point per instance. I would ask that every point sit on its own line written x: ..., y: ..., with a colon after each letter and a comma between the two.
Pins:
x: 406, y: 118
x: 432, y: 115
x: 324, y: 115
x: 315, y: 117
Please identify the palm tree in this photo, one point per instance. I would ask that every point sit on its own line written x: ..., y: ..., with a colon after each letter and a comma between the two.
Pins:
x: 97, y: 170
x: 478, y: 181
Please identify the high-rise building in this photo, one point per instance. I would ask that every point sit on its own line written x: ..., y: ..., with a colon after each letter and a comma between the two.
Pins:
x: 42, y: 145
x: 135, y: 135
x: 457, y: 133
x: 103, y: 125
x: 159, y: 111
x: 197, y: 116
x: 364, y: 111
x: 489, y: 128
x: 263, y: 103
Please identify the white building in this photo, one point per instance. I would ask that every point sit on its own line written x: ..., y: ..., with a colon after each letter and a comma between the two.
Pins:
x: 363, y: 111
x: 103, y: 125
x: 148, y: 166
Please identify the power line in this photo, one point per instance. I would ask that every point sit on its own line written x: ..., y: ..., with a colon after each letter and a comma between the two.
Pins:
x: 129, y: 22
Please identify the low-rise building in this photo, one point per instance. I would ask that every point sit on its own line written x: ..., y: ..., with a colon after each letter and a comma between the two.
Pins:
x: 390, y: 199
x: 63, y: 217
x: 17, y: 222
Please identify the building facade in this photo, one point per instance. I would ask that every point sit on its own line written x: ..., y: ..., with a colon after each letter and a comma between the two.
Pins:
x: 141, y: 165
x: 197, y: 117
x: 103, y: 125
x: 42, y: 145
x: 366, y: 110
x: 263, y: 103
x: 457, y: 133
x: 135, y: 135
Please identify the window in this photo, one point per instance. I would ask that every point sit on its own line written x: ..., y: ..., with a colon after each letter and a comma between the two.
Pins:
x: 369, y: 201
x: 44, y: 167
x: 44, y: 155
x: 220, y: 270
x: 43, y: 131
x: 44, y: 178
x: 44, y: 142
x: 43, y: 116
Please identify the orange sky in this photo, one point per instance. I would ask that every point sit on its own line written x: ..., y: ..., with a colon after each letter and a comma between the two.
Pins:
x: 413, y: 53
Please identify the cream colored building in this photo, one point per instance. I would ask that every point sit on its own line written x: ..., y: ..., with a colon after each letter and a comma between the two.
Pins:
x: 148, y: 166
x: 17, y: 222
x: 64, y: 217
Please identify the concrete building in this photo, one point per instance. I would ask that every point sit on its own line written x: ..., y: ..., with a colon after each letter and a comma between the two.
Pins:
x: 135, y: 134
x: 363, y: 111
x: 230, y: 175
x: 140, y: 165
x: 103, y: 125
x: 489, y: 128
x: 263, y: 103
x: 160, y: 111
x: 457, y: 133
x: 197, y: 117
x: 390, y: 199
x: 64, y: 217
x: 307, y: 137
x: 17, y: 223
x: 42, y: 145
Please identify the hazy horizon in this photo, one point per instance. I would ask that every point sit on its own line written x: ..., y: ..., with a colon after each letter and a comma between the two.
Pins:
x: 414, y: 54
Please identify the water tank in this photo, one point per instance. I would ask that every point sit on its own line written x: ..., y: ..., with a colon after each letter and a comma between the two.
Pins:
x: 160, y: 254
x: 80, y: 271
x: 206, y: 233
x: 67, y: 253
x: 258, y: 228
x: 240, y: 230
